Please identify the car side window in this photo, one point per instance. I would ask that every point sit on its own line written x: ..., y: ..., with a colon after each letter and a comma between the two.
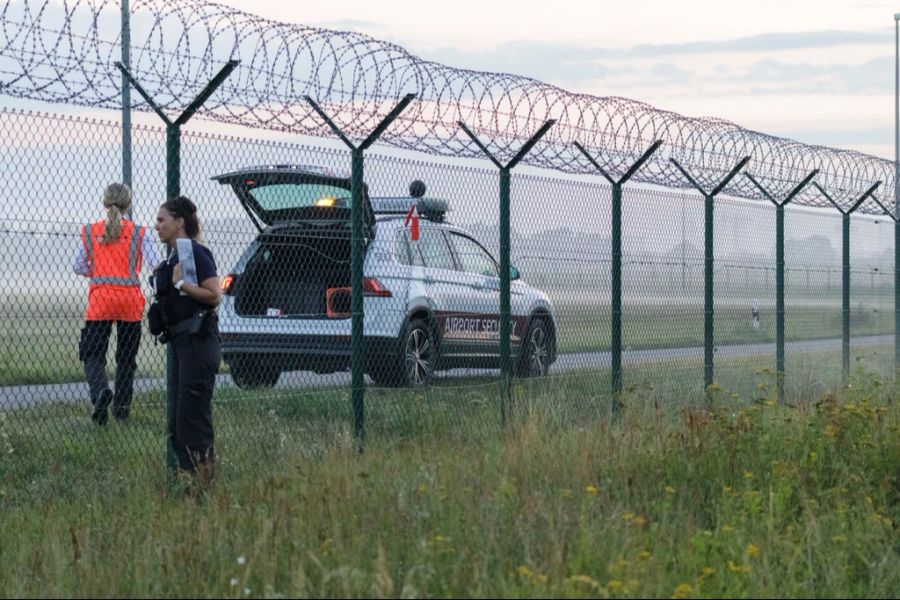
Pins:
x: 472, y: 257
x: 401, y: 248
x: 435, y: 251
x: 405, y: 250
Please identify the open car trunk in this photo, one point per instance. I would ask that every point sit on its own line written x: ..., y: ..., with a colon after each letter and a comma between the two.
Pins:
x: 298, y: 194
x: 296, y: 276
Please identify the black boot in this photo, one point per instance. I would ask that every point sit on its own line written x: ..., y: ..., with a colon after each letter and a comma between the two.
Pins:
x: 101, y: 407
x: 121, y: 412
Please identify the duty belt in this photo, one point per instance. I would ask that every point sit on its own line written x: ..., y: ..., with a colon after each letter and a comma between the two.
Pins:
x: 181, y: 327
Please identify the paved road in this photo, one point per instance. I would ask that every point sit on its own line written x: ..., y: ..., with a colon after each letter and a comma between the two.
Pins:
x: 28, y: 395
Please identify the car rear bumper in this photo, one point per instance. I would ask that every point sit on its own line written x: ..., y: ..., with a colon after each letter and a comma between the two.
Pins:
x: 308, y: 345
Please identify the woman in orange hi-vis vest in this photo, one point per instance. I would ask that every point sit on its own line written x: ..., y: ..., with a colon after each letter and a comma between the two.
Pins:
x: 110, y: 254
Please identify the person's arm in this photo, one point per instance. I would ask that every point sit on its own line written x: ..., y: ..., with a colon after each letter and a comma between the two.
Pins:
x: 207, y: 292
x: 81, y: 265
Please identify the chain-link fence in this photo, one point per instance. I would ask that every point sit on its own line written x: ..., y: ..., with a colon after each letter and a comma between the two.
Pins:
x: 276, y: 217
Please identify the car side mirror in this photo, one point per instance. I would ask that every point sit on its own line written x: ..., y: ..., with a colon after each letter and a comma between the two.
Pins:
x: 514, y: 273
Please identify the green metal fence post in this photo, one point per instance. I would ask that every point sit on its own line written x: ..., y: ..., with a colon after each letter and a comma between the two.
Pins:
x: 126, y: 98
x: 357, y: 258
x: 505, y: 313
x: 845, y: 279
x: 173, y: 160
x: 173, y: 189
x: 357, y: 314
x: 708, y: 263
x: 505, y: 292
x: 845, y: 298
x: 616, y: 341
x: 708, y: 295
x: 779, y: 273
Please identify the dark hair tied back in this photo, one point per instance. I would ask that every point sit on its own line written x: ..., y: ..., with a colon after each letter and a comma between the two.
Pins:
x: 182, y: 207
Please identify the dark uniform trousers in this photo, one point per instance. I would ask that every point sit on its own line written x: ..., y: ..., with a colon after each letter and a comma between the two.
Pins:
x: 92, y: 351
x: 190, y: 422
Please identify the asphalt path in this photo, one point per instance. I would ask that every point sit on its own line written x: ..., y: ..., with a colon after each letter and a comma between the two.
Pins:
x: 21, y: 396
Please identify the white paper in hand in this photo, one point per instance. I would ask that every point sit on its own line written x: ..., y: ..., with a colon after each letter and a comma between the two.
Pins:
x: 185, y: 249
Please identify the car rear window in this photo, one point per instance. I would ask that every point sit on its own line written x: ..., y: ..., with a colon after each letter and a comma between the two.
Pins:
x: 279, y: 196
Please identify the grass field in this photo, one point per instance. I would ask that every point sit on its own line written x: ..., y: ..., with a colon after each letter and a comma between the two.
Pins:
x: 675, y: 497
x: 39, y: 335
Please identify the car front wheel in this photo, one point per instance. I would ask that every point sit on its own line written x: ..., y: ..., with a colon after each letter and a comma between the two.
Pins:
x: 536, y: 347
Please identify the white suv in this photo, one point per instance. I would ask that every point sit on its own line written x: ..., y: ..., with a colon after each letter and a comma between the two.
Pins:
x: 431, y: 303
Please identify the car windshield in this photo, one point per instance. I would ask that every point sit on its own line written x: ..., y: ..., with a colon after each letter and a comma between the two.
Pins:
x: 279, y: 196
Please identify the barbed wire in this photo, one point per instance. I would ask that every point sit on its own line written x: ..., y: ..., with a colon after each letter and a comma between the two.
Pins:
x: 65, y: 50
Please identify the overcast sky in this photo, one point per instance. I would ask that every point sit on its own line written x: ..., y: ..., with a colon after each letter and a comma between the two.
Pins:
x: 821, y: 72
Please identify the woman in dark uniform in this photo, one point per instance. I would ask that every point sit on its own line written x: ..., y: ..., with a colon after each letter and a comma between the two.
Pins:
x: 188, y: 311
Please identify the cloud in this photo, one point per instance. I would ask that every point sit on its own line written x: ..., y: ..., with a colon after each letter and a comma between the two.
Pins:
x: 565, y: 63
x: 850, y: 137
x: 765, y: 42
x: 768, y: 76
x: 360, y: 25
x: 511, y: 56
x: 662, y: 73
x: 547, y: 61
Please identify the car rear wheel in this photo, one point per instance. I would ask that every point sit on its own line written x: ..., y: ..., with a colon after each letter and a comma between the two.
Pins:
x: 249, y: 373
x: 536, y: 349
x: 414, y: 366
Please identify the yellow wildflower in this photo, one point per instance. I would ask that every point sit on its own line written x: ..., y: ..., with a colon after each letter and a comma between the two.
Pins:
x: 682, y: 591
x: 752, y: 550
x: 736, y: 568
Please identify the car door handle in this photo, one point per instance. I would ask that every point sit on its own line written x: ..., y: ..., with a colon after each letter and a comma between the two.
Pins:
x: 429, y: 280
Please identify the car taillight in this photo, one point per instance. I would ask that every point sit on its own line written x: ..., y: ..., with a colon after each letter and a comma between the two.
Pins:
x: 228, y: 283
x: 373, y: 287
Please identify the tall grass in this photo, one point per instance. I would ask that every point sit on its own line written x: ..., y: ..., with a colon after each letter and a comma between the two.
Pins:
x: 738, y: 497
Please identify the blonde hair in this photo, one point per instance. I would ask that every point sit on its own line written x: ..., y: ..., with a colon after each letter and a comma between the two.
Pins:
x: 117, y: 200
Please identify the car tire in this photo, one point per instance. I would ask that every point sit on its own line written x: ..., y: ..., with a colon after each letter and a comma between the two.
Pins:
x: 413, y: 366
x: 536, y: 350
x: 250, y: 373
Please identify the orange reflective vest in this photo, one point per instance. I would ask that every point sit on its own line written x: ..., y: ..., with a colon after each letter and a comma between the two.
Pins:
x: 115, y: 289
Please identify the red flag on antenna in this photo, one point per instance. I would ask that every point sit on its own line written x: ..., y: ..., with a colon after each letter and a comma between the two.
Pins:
x: 413, y: 216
